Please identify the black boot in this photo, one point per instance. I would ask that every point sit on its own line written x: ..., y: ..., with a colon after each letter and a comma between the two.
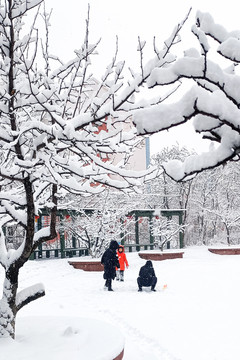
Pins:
x: 109, y: 285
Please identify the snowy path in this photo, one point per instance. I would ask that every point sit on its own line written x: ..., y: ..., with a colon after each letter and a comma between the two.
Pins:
x: 196, y: 317
x: 88, y: 298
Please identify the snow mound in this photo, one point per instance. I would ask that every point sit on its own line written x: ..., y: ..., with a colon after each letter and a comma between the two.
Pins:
x: 61, y: 338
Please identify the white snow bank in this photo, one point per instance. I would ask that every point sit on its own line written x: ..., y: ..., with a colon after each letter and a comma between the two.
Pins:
x: 168, y: 251
x: 195, y: 317
x: 224, y: 246
x: 61, y: 338
x: 85, y: 259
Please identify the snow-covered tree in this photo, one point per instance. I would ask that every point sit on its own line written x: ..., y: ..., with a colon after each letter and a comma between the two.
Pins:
x: 60, y: 129
x: 221, y: 206
x: 212, y: 103
x: 202, y: 226
x: 95, y: 228
x: 228, y: 203
x: 173, y: 194
x: 164, y: 230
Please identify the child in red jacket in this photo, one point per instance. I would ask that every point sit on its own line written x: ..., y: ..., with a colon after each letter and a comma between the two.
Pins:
x: 122, y: 261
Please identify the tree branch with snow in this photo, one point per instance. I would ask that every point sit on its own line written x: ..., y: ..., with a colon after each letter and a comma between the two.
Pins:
x: 212, y: 102
x: 28, y: 295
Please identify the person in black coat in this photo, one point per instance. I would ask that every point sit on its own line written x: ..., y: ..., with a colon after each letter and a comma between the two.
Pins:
x: 110, y: 262
x: 147, y: 276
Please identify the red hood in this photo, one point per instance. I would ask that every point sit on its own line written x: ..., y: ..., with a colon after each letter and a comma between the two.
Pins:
x: 122, y: 247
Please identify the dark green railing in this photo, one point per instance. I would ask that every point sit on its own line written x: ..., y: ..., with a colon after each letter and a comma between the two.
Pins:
x: 58, y: 253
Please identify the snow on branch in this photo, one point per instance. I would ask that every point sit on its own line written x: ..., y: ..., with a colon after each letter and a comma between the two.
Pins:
x: 164, y: 116
x: 178, y: 170
x: 206, y: 23
x: 16, y: 214
x: 42, y: 233
x: 29, y: 294
x: 20, y: 10
x: 213, y: 101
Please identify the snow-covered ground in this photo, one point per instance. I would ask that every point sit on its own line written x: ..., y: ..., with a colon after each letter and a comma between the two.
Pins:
x: 196, y: 317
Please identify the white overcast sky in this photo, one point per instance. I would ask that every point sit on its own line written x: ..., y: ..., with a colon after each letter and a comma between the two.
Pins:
x: 129, y: 19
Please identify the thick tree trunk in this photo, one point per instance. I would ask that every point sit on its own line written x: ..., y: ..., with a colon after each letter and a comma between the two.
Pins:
x: 8, y: 309
x: 12, y: 301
